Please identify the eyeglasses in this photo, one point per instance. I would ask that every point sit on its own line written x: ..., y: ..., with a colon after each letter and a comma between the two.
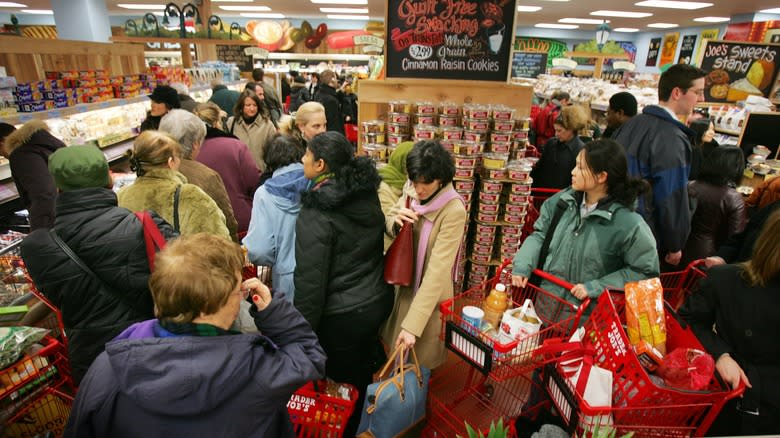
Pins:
x: 697, y: 91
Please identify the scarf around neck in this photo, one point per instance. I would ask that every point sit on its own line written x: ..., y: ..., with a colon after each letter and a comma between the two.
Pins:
x: 445, y: 196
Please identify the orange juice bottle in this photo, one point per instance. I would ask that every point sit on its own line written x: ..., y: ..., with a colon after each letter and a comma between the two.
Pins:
x: 495, y: 304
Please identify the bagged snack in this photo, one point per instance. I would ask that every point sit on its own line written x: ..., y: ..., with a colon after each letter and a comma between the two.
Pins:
x: 687, y: 368
x: 14, y: 340
x: 645, y: 313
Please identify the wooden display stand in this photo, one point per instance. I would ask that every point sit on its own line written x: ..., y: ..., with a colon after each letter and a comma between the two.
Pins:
x: 600, y: 58
x: 374, y: 95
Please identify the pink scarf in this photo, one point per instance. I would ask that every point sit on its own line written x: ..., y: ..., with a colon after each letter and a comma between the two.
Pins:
x: 435, y: 204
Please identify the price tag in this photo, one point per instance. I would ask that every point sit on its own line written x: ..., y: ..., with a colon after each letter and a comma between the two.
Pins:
x: 24, y: 118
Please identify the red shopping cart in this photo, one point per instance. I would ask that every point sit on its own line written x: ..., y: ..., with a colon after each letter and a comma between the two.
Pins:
x: 679, y: 285
x: 639, y: 405
x: 317, y: 414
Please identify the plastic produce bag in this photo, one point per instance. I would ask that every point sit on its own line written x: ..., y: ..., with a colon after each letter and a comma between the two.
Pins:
x: 687, y: 368
x: 14, y: 340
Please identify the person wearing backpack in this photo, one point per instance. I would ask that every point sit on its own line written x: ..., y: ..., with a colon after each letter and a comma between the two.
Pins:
x: 544, y: 122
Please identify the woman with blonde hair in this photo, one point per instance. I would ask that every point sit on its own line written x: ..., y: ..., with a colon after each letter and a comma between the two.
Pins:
x: 734, y: 315
x: 559, y: 155
x: 232, y: 160
x: 251, y: 122
x: 155, y: 158
x: 309, y: 121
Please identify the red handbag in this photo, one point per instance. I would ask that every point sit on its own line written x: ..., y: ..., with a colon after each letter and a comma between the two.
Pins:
x: 399, y: 259
x: 154, y: 239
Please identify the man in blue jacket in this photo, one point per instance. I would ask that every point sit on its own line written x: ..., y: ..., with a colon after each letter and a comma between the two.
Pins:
x: 658, y: 146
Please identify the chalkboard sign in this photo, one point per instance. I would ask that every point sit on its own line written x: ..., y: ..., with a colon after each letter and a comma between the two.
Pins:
x: 236, y: 55
x: 528, y: 65
x: 686, y: 49
x: 738, y: 70
x: 453, y: 39
x: 760, y: 129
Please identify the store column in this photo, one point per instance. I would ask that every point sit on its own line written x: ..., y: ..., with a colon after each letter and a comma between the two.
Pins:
x: 82, y: 20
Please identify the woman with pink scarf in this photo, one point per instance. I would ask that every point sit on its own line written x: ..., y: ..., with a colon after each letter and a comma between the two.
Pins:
x: 439, y: 217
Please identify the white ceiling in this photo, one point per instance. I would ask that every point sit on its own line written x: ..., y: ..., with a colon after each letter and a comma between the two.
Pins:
x: 551, y: 11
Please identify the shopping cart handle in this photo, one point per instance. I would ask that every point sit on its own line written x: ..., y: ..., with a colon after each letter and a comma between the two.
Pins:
x: 553, y: 279
x: 737, y: 392
x: 700, y: 263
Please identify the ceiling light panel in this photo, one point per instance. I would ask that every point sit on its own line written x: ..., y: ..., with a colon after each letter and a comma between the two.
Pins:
x: 712, y: 19
x: 347, y: 17
x: 668, y: 4
x: 622, y: 14
x: 261, y: 15
x: 581, y: 21
x: 141, y: 7
x: 11, y: 5
x: 556, y: 26
x: 38, y: 11
x: 529, y: 8
x: 246, y: 8
x: 340, y: 2
x: 344, y: 10
x: 625, y: 29
x: 662, y: 25
x: 770, y: 11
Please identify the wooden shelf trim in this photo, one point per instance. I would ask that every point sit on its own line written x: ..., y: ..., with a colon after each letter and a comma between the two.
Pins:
x: 206, y: 41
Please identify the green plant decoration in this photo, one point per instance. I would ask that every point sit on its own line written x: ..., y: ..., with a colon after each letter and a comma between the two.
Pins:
x: 607, y: 431
x: 497, y: 430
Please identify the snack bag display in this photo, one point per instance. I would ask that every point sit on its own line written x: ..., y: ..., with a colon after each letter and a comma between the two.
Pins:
x: 645, y: 313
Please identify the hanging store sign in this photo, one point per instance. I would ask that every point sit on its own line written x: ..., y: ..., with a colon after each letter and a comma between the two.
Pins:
x: 686, y: 49
x: 652, y: 52
x: 738, y: 70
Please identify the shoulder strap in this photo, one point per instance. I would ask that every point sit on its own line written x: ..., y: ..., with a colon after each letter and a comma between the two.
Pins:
x: 176, y: 208
x: 80, y: 263
x: 233, y: 125
x: 560, y: 208
x: 152, y: 237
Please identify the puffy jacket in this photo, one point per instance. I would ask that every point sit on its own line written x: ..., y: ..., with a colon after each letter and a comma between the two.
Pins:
x: 607, y: 248
x: 270, y: 240
x: 553, y: 170
x: 29, y: 148
x: 231, y: 159
x: 109, y: 240
x: 719, y: 213
x: 220, y: 386
x: 326, y: 95
x: 765, y: 194
x: 298, y: 96
x: 225, y: 98
x: 210, y: 182
x: 255, y: 135
x: 658, y: 148
x: 155, y: 190
x: 339, y: 265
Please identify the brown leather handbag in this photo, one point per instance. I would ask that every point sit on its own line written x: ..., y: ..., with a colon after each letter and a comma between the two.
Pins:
x: 399, y: 259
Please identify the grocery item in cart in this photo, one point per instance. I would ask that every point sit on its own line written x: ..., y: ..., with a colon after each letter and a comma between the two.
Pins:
x: 645, y: 313
x: 518, y: 324
x: 14, y: 340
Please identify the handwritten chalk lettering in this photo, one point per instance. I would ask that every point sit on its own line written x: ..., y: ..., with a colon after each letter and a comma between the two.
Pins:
x: 454, y: 64
x: 765, y: 53
x: 716, y: 50
x: 483, y: 65
x: 408, y: 64
x: 419, y: 52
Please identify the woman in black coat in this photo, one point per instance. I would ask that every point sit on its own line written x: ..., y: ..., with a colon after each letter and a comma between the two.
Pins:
x: 553, y: 170
x: 742, y: 302
x: 339, y: 271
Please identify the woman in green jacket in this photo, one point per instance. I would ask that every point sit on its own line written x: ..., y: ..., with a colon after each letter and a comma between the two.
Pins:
x: 600, y: 241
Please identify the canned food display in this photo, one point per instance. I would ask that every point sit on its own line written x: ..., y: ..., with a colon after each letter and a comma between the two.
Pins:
x: 449, y: 109
x: 502, y: 112
x: 377, y: 152
x: 398, y: 128
x: 489, y: 198
x: 515, y: 198
x: 395, y: 117
x: 487, y: 217
x: 494, y: 161
x: 501, y: 147
x: 373, y: 126
x: 395, y: 139
x: 425, y: 107
x: 498, y: 174
x: 424, y: 132
x: 499, y: 136
x: 468, y: 148
x: 489, y: 208
x: 492, y: 187
x: 503, y: 125
x: 374, y: 137
x: 464, y: 186
x: 425, y: 119
x: 400, y: 106
x: 465, y: 162
x: 479, y: 112
x: 464, y: 173
x: 476, y: 125
x: 448, y: 120
x: 451, y: 133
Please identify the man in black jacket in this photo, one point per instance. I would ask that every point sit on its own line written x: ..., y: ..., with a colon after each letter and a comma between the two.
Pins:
x: 329, y: 99
x: 110, y: 242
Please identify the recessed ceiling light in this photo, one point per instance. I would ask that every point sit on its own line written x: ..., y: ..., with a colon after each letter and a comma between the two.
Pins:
x: 556, y: 26
x: 625, y: 29
x: 712, y: 19
x: 581, y: 20
x: 528, y: 8
x: 38, y: 11
x: 261, y: 15
x: 673, y: 4
x: 623, y: 14
x: 246, y: 8
x: 141, y: 7
x: 11, y: 5
x: 340, y: 2
x: 347, y: 17
x: 662, y: 25
x: 344, y: 10
x: 771, y: 11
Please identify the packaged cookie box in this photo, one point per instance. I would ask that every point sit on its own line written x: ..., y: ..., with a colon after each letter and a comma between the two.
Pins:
x: 377, y: 152
x: 493, y: 174
x: 465, y: 162
x: 487, y: 217
x: 373, y: 137
x: 424, y: 132
x: 481, y: 258
x: 477, y: 112
x: 511, y: 230
x: 449, y: 109
x: 491, y: 187
x: 35, y: 106
x: 449, y: 120
x: 520, y: 208
x: 478, y: 125
x: 464, y: 173
x: 395, y: 139
x: 424, y: 119
x: 501, y: 147
x: 502, y: 113
x: 465, y: 147
x: 503, y: 125
x: 484, y: 250
x: 489, y: 197
x: 400, y: 106
x: 514, y: 218
x: 520, y: 188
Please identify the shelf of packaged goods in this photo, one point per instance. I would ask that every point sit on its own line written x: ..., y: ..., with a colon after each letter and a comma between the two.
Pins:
x: 21, y: 118
x: 728, y: 132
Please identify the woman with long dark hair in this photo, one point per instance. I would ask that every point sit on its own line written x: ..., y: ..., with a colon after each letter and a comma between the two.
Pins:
x: 599, y: 241
x: 251, y: 123
x: 339, y: 266
x: 702, y: 146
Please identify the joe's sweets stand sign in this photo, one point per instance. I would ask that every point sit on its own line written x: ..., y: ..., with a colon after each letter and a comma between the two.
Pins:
x: 449, y: 39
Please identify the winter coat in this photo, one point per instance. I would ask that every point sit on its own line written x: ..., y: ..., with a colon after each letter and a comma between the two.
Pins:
x: 271, y: 237
x: 339, y: 265
x: 298, y: 96
x: 658, y: 148
x: 155, y: 190
x: 231, y: 159
x: 719, y: 213
x: 609, y: 247
x: 349, y: 107
x: 210, y: 182
x: 29, y: 148
x: 272, y: 101
x: 544, y: 122
x: 419, y: 313
x: 187, y: 102
x: 255, y: 135
x: 327, y: 97
x: 553, y: 170
x: 217, y: 386
x: 225, y: 98
x: 110, y: 241
x: 150, y: 122
x: 765, y: 194
x: 739, y: 247
x: 746, y: 327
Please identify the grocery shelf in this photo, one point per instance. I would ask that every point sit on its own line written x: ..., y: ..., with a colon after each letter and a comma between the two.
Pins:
x: 21, y: 118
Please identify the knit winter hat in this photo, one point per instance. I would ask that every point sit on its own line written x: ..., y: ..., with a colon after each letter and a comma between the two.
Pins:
x: 167, y: 95
x: 79, y: 167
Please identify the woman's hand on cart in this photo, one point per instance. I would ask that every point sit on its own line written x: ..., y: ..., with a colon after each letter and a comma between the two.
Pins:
x: 405, y: 215
x: 731, y: 372
x: 579, y: 291
x: 519, y: 280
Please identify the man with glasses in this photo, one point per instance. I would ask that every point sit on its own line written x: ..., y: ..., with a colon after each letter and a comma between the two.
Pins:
x: 658, y: 146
